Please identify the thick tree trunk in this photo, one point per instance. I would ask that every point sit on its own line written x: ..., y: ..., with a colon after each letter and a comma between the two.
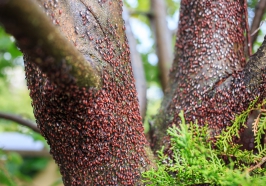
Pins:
x: 209, y: 79
x: 95, y: 134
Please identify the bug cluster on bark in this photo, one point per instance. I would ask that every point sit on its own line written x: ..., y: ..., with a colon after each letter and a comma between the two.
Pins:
x: 96, y: 136
x: 208, y: 76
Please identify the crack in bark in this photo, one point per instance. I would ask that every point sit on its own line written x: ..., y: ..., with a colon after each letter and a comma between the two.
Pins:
x: 93, y: 14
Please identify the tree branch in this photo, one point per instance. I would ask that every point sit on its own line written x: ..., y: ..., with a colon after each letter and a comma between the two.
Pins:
x: 40, y: 39
x: 259, y: 11
x: 20, y: 120
x: 163, y: 40
x: 147, y: 14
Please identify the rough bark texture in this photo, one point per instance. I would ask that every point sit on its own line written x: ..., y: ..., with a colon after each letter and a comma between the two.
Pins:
x: 38, y: 38
x: 95, y: 135
x: 207, y: 81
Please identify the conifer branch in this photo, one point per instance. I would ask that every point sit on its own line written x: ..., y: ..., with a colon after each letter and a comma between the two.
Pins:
x: 263, y: 160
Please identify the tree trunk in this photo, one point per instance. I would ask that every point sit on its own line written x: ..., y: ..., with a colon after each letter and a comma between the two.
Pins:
x: 209, y: 79
x: 95, y: 131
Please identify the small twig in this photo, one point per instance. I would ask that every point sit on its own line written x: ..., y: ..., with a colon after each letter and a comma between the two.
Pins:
x: 255, y: 125
x: 20, y: 121
x: 147, y: 14
x: 259, y: 12
x: 261, y: 23
x: 247, y: 30
x: 263, y: 160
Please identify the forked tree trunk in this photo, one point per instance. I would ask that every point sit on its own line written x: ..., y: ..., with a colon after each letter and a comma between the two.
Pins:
x: 94, y: 127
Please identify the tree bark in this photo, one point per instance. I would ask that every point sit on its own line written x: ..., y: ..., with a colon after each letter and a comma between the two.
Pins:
x: 96, y: 136
x: 38, y: 38
x: 209, y: 78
